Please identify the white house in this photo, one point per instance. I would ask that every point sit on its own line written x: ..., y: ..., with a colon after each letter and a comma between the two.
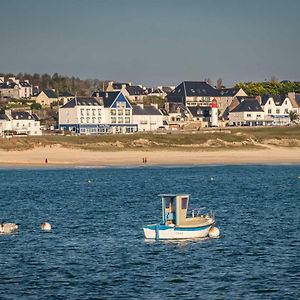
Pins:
x: 13, y: 88
x: 248, y: 113
x: 277, y: 108
x: 147, y: 117
x: 20, y: 122
x: 106, y: 112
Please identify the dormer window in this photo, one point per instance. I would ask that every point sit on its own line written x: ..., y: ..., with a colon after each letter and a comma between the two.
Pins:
x: 17, y: 117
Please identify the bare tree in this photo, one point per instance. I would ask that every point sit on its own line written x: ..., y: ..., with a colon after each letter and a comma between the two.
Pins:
x: 274, y: 79
x: 219, y: 83
x: 208, y: 80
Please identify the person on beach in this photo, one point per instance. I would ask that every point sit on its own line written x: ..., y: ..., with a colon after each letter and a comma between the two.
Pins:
x: 46, y: 161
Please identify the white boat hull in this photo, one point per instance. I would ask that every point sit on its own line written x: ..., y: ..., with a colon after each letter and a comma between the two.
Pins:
x: 162, y: 232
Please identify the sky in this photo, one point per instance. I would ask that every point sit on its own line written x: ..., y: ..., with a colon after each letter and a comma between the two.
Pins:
x: 152, y: 42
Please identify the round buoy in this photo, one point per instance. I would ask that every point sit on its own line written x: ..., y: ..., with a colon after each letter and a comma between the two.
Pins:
x: 211, y: 178
x: 7, y: 228
x: 89, y: 181
x: 45, y: 226
x: 214, y: 233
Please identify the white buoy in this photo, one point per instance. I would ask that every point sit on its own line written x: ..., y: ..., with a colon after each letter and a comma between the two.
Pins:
x: 214, y: 233
x: 45, y: 226
x: 7, y: 228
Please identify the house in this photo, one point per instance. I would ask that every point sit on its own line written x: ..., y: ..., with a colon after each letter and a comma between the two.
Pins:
x: 200, y: 93
x: 13, y: 88
x: 277, y: 108
x: 20, y: 122
x: 134, y: 93
x: 248, y: 113
x: 9, y: 90
x: 25, y: 89
x: 147, y: 117
x: 82, y: 115
x: 46, y: 97
x: 117, y: 112
x: 105, y: 112
x: 200, y: 114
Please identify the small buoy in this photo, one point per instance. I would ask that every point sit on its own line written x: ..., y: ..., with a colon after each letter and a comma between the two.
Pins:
x: 89, y: 181
x: 298, y: 177
x: 45, y: 226
x: 211, y: 178
x: 214, y: 233
x: 7, y: 228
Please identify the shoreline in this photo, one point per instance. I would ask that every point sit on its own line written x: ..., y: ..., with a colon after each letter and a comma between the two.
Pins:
x: 63, y: 157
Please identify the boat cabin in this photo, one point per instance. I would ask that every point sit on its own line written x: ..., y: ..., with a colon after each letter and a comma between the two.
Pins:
x: 174, y: 208
x: 175, y: 211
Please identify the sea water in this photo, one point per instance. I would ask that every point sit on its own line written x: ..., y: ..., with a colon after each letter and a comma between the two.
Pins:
x: 96, y: 249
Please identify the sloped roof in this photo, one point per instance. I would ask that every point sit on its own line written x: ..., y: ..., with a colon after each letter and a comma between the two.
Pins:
x: 119, y: 85
x: 25, y: 84
x: 4, y: 117
x: 48, y: 93
x: 278, y: 99
x: 65, y: 94
x: 135, y: 90
x: 81, y: 101
x: 228, y: 92
x: 199, y: 111
x: 7, y: 85
x: 22, y: 115
x: 146, y: 110
x: 297, y: 98
x: 248, y: 105
x: 108, y: 97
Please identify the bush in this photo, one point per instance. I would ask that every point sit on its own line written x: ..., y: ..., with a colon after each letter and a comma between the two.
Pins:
x: 35, y: 106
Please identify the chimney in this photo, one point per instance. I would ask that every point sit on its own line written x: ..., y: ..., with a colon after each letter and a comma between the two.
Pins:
x: 141, y: 105
x: 1, y: 79
x: 26, y: 80
x: 17, y: 81
x: 106, y: 95
x: 258, y: 98
x: 13, y: 79
x: 154, y: 105
x: 8, y: 113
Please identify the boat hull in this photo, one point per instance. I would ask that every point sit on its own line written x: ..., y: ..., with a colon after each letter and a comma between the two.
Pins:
x: 163, y: 232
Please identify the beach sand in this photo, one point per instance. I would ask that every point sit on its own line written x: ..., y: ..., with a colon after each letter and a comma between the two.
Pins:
x: 58, y: 156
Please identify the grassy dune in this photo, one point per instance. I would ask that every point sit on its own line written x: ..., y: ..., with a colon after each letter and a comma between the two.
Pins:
x: 210, y: 139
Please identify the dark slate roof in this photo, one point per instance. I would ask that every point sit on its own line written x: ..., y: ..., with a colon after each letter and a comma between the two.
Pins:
x: 228, y: 92
x: 248, y: 105
x: 7, y: 85
x: 81, y: 101
x: 108, y: 97
x: 4, y: 117
x: 119, y: 85
x: 278, y: 99
x: 35, y: 116
x: 22, y: 115
x: 146, y: 110
x: 137, y: 110
x: 151, y: 110
x: 200, y: 111
x: 49, y: 93
x: 25, y: 84
x: 135, y: 90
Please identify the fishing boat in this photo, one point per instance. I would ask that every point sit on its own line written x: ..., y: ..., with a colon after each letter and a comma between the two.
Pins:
x: 178, y: 223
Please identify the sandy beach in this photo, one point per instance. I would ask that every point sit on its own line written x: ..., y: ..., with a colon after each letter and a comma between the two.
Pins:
x: 58, y: 156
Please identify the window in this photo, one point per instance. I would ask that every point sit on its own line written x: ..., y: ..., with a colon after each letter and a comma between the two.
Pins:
x: 277, y: 111
x: 127, y: 120
x: 81, y: 120
x: 286, y: 111
x: 18, y: 124
x: 168, y: 202
x: 113, y: 120
x: 269, y: 111
x: 82, y: 112
x: 99, y: 111
x: 127, y: 112
x: 120, y: 112
x: 258, y: 116
x: 113, y: 112
x: 99, y: 119
x: 93, y: 120
x: 121, y: 104
x: 93, y: 112
x: 29, y: 124
x: 120, y: 120
x: 184, y: 203
x: 88, y: 112
x: 248, y: 115
x: 88, y: 120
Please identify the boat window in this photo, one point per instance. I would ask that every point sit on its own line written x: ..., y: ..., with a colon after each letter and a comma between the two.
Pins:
x: 168, y: 202
x: 184, y: 202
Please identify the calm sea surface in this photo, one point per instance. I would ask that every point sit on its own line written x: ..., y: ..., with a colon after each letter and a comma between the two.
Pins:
x: 97, y: 251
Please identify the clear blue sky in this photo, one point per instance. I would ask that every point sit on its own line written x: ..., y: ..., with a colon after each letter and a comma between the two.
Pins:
x: 152, y: 41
